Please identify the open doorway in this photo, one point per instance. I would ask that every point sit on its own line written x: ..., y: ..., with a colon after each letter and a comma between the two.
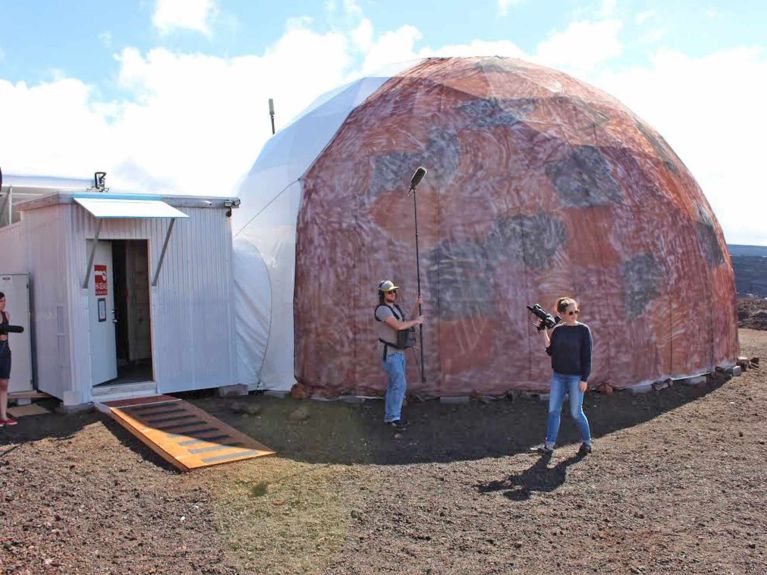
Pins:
x: 132, y: 311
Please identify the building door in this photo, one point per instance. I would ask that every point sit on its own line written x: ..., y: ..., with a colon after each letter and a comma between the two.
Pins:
x: 102, y: 314
x: 16, y: 290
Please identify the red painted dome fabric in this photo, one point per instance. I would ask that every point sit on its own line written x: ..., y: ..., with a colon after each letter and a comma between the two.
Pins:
x: 538, y: 186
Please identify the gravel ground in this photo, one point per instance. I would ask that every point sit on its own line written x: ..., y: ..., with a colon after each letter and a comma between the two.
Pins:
x: 676, y: 484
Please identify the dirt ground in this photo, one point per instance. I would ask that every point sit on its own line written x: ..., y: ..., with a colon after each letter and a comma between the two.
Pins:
x: 677, y: 483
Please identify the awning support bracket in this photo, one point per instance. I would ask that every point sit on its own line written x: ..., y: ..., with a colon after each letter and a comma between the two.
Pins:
x: 7, y: 202
x: 92, y: 254
x: 162, y: 253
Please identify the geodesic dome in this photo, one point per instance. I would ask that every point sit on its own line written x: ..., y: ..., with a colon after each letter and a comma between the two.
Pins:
x: 539, y: 186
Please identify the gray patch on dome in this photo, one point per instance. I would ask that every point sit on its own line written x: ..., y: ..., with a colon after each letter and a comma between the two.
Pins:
x: 461, y: 270
x: 392, y: 171
x: 661, y: 147
x: 709, y: 241
x: 491, y: 112
x: 583, y: 178
x: 443, y: 155
x: 530, y: 239
x: 642, y: 275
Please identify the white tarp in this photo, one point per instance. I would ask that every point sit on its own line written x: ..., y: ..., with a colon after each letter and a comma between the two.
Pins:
x: 264, y: 230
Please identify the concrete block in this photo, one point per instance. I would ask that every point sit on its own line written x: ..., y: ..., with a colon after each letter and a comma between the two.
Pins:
x: 535, y: 395
x: 454, y: 400
x: 352, y: 399
x: 641, y: 387
x: 64, y: 409
x: 658, y: 385
x: 235, y: 390
x: 276, y: 393
x: 697, y: 380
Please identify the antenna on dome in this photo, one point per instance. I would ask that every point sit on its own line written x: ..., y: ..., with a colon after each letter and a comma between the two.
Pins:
x: 271, y: 113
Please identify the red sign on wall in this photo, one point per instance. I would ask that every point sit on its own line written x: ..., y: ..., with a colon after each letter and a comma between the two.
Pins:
x: 100, y: 279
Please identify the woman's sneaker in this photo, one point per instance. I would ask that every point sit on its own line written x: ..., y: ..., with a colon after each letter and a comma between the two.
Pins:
x: 543, y: 449
x: 9, y: 421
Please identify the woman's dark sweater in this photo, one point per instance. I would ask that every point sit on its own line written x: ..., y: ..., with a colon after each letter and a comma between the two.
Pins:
x: 570, y: 350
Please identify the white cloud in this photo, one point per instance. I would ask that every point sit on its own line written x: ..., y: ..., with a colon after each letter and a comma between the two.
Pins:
x: 170, y: 15
x: 504, y: 5
x: 396, y: 46
x: 642, y: 17
x: 582, y: 46
x: 711, y: 111
x: 194, y: 123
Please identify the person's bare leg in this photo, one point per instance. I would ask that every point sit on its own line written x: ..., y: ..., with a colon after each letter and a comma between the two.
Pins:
x: 3, y: 398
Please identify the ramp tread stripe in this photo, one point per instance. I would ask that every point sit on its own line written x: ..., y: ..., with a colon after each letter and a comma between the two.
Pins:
x: 176, y: 447
x: 229, y: 457
x: 163, y: 419
x: 216, y: 447
x: 143, y: 401
x: 148, y: 413
x: 186, y: 441
x: 151, y: 406
x: 180, y: 425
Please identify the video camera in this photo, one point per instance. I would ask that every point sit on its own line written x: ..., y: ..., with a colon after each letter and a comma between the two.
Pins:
x: 6, y: 329
x: 547, y: 320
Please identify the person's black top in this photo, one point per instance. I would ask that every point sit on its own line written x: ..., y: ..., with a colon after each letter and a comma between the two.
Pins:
x: 570, y: 350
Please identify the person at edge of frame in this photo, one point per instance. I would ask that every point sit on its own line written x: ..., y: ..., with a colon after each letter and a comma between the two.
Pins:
x: 390, y: 320
x: 5, y: 366
x: 569, y: 344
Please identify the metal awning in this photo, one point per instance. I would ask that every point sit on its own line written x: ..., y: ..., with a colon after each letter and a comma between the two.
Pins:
x: 113, y: 208
x: 129, y: 208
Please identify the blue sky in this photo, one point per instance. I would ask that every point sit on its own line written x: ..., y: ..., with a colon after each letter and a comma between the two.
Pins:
x: 171, y: 94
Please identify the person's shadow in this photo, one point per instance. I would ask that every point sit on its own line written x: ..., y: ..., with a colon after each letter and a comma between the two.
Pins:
x: 538, y: 477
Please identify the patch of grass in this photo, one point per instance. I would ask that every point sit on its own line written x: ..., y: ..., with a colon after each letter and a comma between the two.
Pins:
x: 259, y: 489
x: 292, y: 517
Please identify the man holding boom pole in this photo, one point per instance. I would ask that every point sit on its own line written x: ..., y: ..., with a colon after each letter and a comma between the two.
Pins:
x: 396, y: 334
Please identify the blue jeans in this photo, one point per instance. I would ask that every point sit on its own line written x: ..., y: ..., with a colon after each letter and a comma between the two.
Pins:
x: 562, y: 384
x: 394, y: 365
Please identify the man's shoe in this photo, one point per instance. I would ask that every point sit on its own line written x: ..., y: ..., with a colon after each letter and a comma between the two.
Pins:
x: 399, y: 424
x: 542, y: 449
x: 585, y: 449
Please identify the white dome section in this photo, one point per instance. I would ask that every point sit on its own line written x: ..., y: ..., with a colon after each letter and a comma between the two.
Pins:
x: 264, y: 230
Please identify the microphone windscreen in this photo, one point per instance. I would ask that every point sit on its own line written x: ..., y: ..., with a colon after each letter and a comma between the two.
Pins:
x: 417, y: 176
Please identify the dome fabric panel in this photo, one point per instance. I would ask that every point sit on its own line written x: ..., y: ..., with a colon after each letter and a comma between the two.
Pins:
x: 539, y: 186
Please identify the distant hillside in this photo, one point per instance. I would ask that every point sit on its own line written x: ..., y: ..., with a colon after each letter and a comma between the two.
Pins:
x: 738, y: 250
x: 750, y: 266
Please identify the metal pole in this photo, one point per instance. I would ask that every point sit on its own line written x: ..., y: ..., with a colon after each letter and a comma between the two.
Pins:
x: 271, y: 112
x: 418, y: 279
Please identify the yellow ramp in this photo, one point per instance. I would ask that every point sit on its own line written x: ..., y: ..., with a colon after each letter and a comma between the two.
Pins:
x: 182, y: 434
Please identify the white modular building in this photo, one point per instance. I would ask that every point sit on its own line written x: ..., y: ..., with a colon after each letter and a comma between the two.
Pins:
x: 130, y: 294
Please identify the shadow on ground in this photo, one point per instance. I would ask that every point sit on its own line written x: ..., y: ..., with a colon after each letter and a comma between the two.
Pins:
x: 539, y: 477
x: 343, y: 433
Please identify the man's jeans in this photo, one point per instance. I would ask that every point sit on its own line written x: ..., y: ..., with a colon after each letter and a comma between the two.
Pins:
x: 394, y: 365
x: 560, y: 385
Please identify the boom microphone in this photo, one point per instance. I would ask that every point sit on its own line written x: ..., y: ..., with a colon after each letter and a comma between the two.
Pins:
x: 417, y: 177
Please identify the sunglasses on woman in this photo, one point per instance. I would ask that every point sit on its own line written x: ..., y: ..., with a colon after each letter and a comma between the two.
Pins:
x: 576, y: 312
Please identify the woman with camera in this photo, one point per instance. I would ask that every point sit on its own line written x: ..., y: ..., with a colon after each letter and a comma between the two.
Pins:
x: 393, y: 333
x: 569, y: 345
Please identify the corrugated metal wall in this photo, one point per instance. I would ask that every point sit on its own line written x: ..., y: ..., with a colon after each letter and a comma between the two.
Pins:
x: 192, y: 325
x: 45, y: 231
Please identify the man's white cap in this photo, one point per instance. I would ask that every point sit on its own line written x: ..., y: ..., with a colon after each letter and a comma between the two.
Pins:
x: 387, y: 286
